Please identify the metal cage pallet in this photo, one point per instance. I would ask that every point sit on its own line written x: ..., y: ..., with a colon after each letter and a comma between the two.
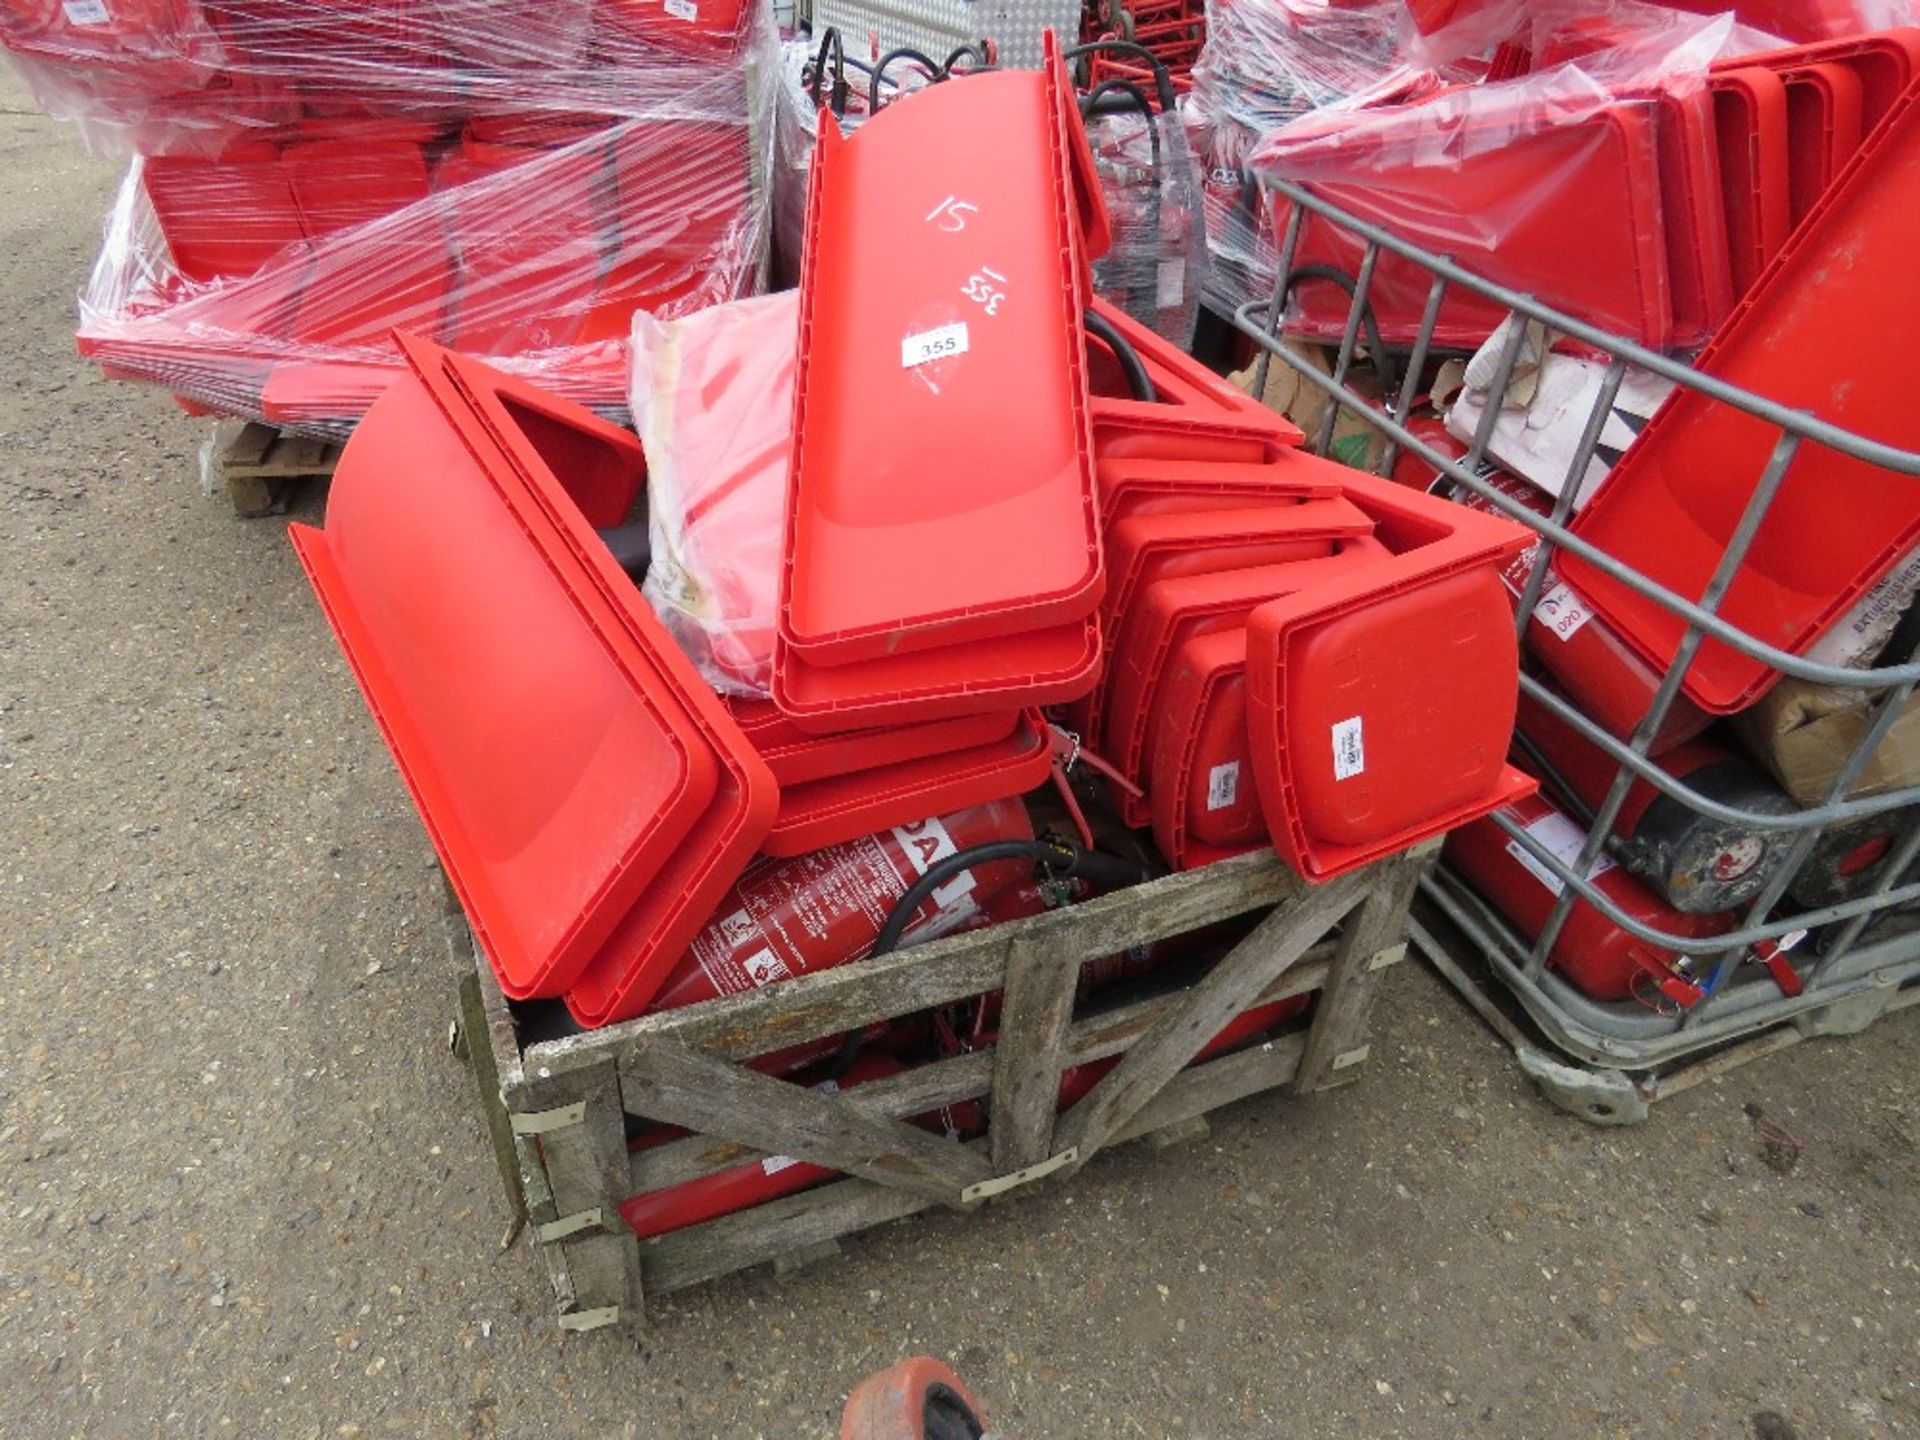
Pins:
x: 1847, y: 964
x: 556, y: 1109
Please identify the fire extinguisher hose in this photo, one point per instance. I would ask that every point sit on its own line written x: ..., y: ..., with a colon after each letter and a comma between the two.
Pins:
x: 1139, y: 383
x: 1060, y: 858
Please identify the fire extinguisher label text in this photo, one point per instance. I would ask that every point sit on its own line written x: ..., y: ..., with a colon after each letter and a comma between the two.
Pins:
x: 925, y: 842
x: 940, y: 344
x: 1349, y: 749
x: 1562, y: 612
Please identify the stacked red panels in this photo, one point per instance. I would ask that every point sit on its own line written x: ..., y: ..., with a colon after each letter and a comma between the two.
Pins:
x: 941, y: 415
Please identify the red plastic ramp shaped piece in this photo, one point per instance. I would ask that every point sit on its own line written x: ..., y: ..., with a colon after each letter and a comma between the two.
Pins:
x: 589, y: 797
x: 940, y: 407
x: 1816, y: 334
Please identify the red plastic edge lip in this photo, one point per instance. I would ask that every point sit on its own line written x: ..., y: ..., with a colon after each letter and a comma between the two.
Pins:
x: 871, y: 698
x: 519, y: 975
x: 1096, y: 225
x: 1199, y: 667
x: 798, y: 758
x: 646, y: 945
x: 1268, y: 629
x: 936, y: 630
x: 1722, y: 681
x: 848, y: 806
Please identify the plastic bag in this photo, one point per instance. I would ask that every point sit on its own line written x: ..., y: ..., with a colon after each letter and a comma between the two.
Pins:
x: 712, y: 398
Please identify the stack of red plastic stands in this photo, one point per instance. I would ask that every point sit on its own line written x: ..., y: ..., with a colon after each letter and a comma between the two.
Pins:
x: 508, y: 178
x: 1172, y: 31
x: 1384, y: 668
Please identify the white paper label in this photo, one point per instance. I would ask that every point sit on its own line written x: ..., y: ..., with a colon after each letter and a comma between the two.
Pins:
x: 1171, y: 288
x: 1562, y: 839
x: 1349, y: 749
x: 774, y: 1164
x: 941, y: 344
x: 682, y: 9
x: 86, y: 12
x: 1562, y: 612
x: 1223, y: 785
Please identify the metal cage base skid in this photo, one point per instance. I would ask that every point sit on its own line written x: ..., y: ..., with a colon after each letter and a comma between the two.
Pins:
x: 555, y: 1109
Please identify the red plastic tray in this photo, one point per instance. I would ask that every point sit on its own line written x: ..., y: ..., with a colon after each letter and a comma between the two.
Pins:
x: 1692, y: 205
x: 844, y: 807
x: 1826, y: 108
x: 226, y: 216
x: 1146, y: 548
x: 797, y: 758
x: 478, y: 628
x: 1200, y: 776
x: 1750, y: 120
x: 1816, y: 336
x: 1379, y: 711
x: 940, y: 396
x: 1170, y: 613
x: 344, y: 181
x: 1041, y: 667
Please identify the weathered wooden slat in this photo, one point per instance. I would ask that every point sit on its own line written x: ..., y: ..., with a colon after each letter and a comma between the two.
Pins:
x: 1035, y: 1010
x: 1277, y: 942
x: 734, y: 1242
x: 670, y: 1082
x: 952, y: 1082
x: 1339, y: 1035
x: 850, y: 996
x: 586, y: 1172
x: 486, y: 1080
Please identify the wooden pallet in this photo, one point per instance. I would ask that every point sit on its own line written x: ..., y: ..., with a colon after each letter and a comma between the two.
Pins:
x: 263, y: 468
x: 555, y: 1109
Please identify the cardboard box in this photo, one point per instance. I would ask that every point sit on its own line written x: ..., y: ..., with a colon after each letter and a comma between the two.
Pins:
x: 1804, y: 733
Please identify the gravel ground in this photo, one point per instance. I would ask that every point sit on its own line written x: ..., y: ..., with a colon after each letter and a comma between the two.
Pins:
x: 244, y: 1190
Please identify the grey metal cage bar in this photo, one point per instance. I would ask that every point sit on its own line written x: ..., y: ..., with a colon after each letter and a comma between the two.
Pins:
x: 1740, y: 996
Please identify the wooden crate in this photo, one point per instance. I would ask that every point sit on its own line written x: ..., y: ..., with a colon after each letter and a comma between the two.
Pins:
x: 262, y: 469
x: 555, y: 1108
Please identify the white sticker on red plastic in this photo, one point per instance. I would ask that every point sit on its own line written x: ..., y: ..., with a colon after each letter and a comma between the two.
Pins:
x: 682, y: 9
x: 1349, y: 749
x: 774, y: 1164
x: 1223, y: 785
x: 1562, y: 839
x: 1562, y: 611
x: 942, y: 343
x: 86, y: 12
x: 1170, y: 287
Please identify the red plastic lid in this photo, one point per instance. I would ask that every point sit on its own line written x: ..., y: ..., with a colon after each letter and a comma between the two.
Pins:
x: 1826, y: 110
x: 1041, y: 667
x: 940, y: 395
x: 797, y: 758
x: 553, y: 738
x: 1199, y: 775
x: 1379, y: 711
x: 1812, y: 336
x: 1693, y: 209
x: 1885, y: 62
x: 1147, y: 548
x: 844, y: 807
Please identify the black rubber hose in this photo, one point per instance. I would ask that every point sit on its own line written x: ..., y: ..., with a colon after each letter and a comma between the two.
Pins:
x: 1097, y: 867
x: 1139, y: 382
x: 830, y: 37
x: 967, y: 52
x: 1136, y: 100
x: 1162, y: 78
x: 1383, y: 365
x: 935, y: 71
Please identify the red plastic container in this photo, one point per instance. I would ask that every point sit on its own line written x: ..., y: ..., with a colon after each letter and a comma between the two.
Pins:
x: 1815, y: 336
x: 1692, y: 204
x: 1750, y: 122
x: 1041, y: 667
x: 844, y: 807
x: 796, y: 758
x: 348, y: 180
x: 1826, y: 108
x: 1200, y: 781
x: 940, y: 394
x: 479, y: 625
x: 703, y: 29
x: 1595, y: 955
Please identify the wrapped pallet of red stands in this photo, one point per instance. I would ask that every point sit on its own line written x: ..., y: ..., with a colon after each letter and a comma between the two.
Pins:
x: 510, y: 179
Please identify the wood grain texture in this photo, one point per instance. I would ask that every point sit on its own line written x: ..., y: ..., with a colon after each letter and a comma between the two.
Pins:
x: 1036, y: 1008
x: 1340, y: 1021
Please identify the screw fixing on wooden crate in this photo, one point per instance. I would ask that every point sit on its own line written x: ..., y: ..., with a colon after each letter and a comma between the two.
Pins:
x: 567, y: 1225
x: 1392, y: 955
x: 1351, y: 1057
x: 540, y: 1122
x: 579, y: 1320
x: 1000, y: 1184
